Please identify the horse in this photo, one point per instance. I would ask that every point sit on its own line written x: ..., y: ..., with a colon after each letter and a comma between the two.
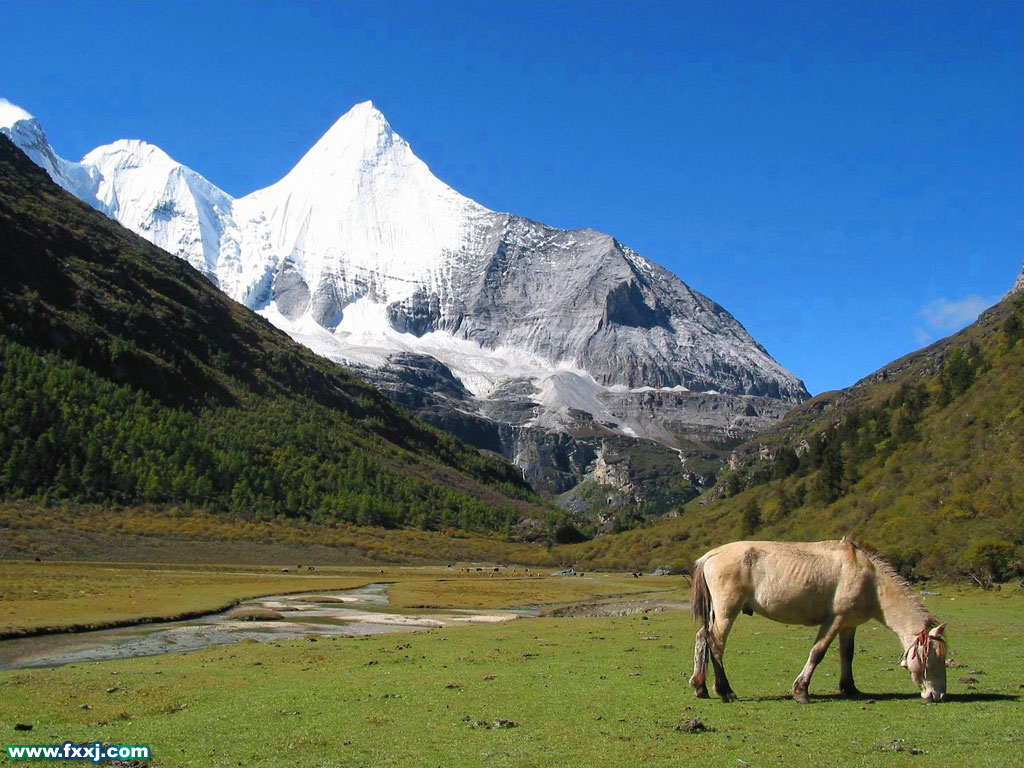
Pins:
x: 835, y: 585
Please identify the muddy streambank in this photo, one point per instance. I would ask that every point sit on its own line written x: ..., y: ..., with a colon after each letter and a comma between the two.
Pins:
x: 360, y: 611
x: 617, y: 608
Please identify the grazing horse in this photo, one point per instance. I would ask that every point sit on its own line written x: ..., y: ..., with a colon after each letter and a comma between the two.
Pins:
x: 835, y: 585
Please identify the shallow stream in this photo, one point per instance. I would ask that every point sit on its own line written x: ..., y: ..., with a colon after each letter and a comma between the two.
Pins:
x: 362, y: 611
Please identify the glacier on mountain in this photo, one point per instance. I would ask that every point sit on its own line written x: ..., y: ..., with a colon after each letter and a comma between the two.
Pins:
x: 365, y: 256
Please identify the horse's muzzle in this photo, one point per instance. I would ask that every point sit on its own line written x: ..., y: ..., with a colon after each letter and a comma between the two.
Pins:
x: 932, y: 696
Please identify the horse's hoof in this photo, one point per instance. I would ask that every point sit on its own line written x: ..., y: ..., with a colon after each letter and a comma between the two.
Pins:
x: 728, y: 697
x: 851, y: 693
x: 701, y: 693
x: 801, y: 697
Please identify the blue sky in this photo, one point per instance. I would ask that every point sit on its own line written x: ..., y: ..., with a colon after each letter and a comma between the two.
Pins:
x: 846, y: 178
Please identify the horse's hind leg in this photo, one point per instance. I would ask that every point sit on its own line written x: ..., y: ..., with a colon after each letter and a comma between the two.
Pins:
x: 699, y: 679
x: 846, y: 646
x: 719, y: 634
x: 826, y: 634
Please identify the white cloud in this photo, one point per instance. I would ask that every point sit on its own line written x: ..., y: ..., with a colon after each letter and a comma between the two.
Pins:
x: 943, y: 316
x: 921, y: 336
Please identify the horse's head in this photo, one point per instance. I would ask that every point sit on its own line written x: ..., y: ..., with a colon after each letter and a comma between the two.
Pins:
x: 926, y: 661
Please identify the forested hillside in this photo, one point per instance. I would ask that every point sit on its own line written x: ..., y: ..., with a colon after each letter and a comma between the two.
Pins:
x: 922, y: 460
x: 127, y: 378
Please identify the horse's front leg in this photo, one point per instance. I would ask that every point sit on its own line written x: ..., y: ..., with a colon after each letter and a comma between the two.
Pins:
x: 846, y: 684
x: 826, y: 634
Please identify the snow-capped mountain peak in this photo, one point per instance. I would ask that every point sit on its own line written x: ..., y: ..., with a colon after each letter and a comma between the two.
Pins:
x: 11, y: 114
x: 362, y: 134
x: 358, y: 215
x: 27, y: 133
x: 363, y: 254
x: 357, y: 147
x: 130, y: 153
x: 151, y: 193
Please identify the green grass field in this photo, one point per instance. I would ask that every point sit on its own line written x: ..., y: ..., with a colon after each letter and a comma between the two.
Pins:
x: 542, y: 692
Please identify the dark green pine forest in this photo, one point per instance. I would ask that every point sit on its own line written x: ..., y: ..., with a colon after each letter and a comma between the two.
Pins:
x: 127, y: 379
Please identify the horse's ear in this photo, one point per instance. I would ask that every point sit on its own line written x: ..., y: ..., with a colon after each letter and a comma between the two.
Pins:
x: 937, y: 631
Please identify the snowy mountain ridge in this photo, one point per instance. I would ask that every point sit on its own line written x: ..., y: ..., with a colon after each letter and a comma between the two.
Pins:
x: 362, y: 254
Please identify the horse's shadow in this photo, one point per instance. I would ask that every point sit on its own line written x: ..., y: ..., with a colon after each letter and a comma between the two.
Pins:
x: 957, y: 698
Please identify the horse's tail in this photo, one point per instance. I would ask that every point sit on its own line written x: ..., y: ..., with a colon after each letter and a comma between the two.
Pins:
x: 700, y: 600
x: 703, y: 611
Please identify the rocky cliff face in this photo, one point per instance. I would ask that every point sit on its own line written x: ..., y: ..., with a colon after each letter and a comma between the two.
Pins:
x: 1019, y: 287
x: 528, y: 340
x: 686, y: 435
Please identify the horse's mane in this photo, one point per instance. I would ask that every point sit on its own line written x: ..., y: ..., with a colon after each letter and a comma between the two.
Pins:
x: 885, y: 567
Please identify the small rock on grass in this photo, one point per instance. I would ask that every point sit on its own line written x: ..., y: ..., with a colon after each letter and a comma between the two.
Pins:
x: 23, y: 726
x: 899, y: 745
x: 500, y: 722
x: 695, y: 725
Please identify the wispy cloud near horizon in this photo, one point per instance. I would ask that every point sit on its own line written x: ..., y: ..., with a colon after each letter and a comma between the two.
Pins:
x: 943, y: 316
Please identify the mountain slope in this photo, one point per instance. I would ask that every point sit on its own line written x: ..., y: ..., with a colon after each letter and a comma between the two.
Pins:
x: 922, y: 459
x: 361, y: 217
x: 127, y: 377
x: 554, y: 337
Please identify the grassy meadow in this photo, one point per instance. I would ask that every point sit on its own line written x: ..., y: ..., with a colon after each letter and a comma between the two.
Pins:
x: 580, y: 691
x: 53, y: 596
x: 40, y: 596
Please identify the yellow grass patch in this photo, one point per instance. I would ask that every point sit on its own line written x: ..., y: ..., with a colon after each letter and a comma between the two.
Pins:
x: 35, y: 596
x: 40, y: 595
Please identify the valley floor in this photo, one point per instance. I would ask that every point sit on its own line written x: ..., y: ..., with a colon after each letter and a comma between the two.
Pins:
x: 580, y: 690
x: 52, y: 597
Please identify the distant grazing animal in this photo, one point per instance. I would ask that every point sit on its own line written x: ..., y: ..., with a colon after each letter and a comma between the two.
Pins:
x: 836, y: 585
